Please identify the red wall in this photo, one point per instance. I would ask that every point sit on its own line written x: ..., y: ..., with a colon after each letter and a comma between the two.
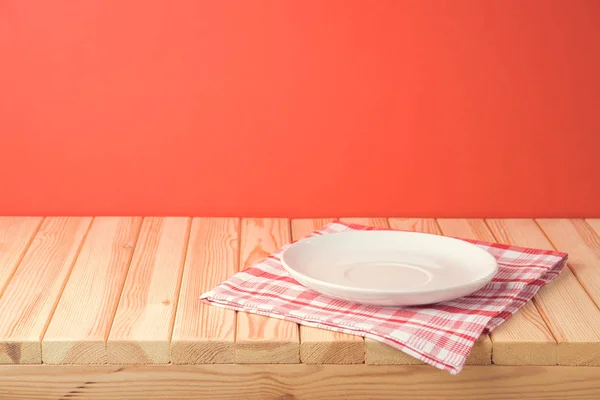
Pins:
x: 300, y: 108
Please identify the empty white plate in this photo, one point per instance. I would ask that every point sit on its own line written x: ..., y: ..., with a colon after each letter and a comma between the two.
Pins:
x: 389, y: 268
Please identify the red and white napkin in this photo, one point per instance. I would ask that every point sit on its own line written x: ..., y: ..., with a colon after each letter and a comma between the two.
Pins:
x: 441, y: 335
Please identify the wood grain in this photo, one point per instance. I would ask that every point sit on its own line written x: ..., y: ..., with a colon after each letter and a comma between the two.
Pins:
x: 142, y: 327
x: 595, y: 224
x: 205, y: 334
x: 466, y: 228
x: 569, y: 313
x: 261, y: 339
x: 425, y: 225
x: 576, y: 237
x: 32, y: 294
x: 322, y: 346
x: 16, y: 234
x: 374, y: 222
x: 80, y: 326
x: 299, y: 382
x: 524, y: 339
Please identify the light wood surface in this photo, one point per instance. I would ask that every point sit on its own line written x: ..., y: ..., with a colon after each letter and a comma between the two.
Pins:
x: 16, y: 234
x: 261, y: 339
x: 31, y: 296
x: 141, y: 330
x: 595, y: 224
x: 524, y: 339
x: 298, y: 382
x: 85, y: 292
x: 81, y: 323
x: 582, y: 243
x: 424, y: 225
x: 204, y: 334
x: 374, y: 222
x: 322, y: 346
x: 568, y: 311
x: 466, y: 228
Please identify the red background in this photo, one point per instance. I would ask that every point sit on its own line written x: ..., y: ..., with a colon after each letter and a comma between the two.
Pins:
x: 300, y: 108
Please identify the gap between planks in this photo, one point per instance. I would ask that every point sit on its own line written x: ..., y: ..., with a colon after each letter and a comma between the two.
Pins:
x: 204, y: 334
x: 260, y: 339
x: 572, y: 345
x: 91, y: 294
x: 142, y: 326
x: 32, y: 294
x: 523, y: 339
x: 579, y: 239
x: 568, y: 311
x: 16, y: 235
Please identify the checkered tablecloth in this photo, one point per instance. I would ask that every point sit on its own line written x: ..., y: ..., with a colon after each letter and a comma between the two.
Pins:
x: 442, y: 334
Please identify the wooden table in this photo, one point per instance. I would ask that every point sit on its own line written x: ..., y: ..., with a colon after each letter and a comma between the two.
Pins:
x: 107, y: 308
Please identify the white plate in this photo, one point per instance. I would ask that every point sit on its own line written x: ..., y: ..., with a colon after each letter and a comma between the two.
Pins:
x: 389, y: 268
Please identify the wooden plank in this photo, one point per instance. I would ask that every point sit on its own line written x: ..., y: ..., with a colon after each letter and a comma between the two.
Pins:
x: 32, y: 294
x: 16, y: 234
x: 568, y: 311
x: 374, y: 222
x: 474, y: 229
x: 425, y: 225
x: 79, y: 328
x: 595, y: 224
x: 322, y: 346
x: 299, y: 381
x: 205, y: 334
x: 261, y: 339
x: 142, y: 327
x: 522, y: 340
x: 576, y: 237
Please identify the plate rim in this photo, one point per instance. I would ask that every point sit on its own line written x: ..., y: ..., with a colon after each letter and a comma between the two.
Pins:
x: 487, y: 278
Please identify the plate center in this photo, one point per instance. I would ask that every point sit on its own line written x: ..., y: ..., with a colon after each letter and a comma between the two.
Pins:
x: 386, y: 275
